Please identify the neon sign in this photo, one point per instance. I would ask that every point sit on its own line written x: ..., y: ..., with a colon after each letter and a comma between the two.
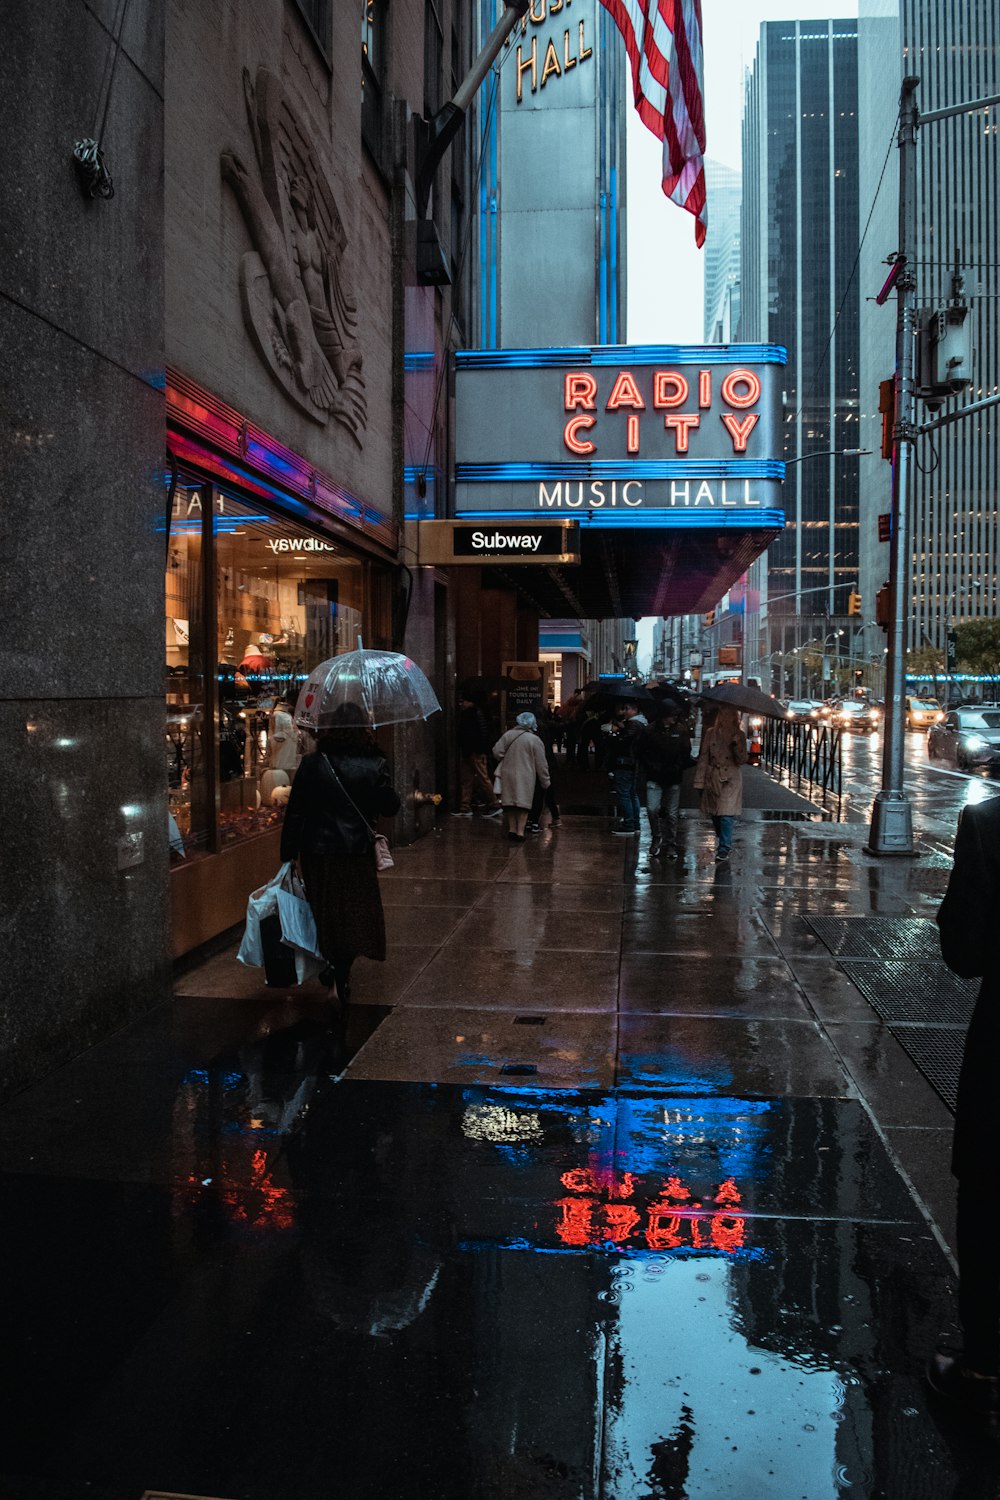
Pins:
x: 663, y: 428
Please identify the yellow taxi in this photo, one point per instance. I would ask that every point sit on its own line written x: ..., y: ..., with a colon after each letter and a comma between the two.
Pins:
x: 921, y: 713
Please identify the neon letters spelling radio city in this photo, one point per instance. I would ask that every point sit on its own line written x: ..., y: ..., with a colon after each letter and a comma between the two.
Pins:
x: 737, y: 390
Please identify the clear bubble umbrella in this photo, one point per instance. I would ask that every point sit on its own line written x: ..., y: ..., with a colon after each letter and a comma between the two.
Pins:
x: 387, y: 687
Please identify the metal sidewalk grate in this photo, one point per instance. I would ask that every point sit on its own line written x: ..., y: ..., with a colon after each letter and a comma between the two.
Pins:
x: 937, y: 1052
x: 909, y: 938
x: 907, y: 992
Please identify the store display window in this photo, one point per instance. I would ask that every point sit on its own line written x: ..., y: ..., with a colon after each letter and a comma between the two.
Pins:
x: 287, y: 599
x: 284, y: 599
x: 188, y: 799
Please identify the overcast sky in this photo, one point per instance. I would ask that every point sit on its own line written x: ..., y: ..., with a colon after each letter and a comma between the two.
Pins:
x: 665, y: 282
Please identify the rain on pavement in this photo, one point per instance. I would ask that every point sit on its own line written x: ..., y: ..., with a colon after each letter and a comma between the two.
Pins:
x: 616, y: 1187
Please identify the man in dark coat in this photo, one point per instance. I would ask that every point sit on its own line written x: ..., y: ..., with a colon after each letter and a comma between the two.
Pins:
x: 968, y: 920
x: 663, y: 751
x: 474, y: 740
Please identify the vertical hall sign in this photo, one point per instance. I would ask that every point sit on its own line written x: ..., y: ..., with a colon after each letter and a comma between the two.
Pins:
x: 541, y: 57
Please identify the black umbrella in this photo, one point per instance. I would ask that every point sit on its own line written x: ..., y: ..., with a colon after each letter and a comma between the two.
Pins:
x: 667, y: 693
x: 747, y: 699
x: 621, y: 691
x: 474, y: 686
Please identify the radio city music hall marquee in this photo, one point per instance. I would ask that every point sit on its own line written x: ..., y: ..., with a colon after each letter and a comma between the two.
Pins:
x: 676, y: 434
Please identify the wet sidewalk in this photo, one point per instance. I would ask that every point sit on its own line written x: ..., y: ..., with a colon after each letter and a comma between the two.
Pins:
x: 628, y: 1183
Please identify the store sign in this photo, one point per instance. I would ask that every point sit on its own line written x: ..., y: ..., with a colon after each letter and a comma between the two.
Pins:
x: 449, y: 542
x: 298, y: 544
x: 539, y: 60
x: 672, y: 429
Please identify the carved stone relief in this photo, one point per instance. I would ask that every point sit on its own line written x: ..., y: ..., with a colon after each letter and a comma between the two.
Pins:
x: 297, y: 305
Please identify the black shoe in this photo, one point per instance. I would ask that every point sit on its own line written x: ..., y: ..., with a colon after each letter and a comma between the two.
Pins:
x: 533, y: 828
x: 975, y: 1397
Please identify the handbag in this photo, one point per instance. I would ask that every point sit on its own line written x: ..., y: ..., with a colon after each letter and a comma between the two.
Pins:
x: 383, y: 858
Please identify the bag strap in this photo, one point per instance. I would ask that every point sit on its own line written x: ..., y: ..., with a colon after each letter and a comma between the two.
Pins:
x: 350, y: 799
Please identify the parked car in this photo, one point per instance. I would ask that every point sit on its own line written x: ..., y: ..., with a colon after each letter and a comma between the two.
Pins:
x: 921, y: 713
x: 857, y: 715
x: 802, y: 710
x: 968, y: 736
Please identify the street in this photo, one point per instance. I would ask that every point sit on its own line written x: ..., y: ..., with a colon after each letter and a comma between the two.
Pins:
x: 937, y: 793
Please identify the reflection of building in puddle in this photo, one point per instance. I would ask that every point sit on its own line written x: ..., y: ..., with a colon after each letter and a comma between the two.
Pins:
x: 701, y: 1412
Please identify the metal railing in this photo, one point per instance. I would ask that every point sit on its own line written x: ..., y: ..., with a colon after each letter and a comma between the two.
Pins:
x: 805, y: 752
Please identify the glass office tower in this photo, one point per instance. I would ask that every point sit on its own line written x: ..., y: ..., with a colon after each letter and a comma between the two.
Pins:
x: 800, y: 231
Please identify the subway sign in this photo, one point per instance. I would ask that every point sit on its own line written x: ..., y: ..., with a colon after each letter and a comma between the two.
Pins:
x: 677, y: 435
x: 556, y: 543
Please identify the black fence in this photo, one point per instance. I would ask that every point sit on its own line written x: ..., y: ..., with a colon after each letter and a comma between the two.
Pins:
x: 808, y: 754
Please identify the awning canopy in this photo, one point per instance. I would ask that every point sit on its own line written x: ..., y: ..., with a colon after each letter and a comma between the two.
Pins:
x: 632, y: 572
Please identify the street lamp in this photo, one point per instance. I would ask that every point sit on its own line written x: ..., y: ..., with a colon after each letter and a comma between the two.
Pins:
x: 829, y: 453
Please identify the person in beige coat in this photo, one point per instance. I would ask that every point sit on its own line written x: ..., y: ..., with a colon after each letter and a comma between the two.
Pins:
x: 520, y: 755
x: 719, y: 774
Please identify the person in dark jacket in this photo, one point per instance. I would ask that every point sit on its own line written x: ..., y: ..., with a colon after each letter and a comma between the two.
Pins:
x: 967, y: 920
x: 474, y: 740
x: 545, y: 796
x: 663, y: 751
x: 624, y: 767
x: 339, y: 792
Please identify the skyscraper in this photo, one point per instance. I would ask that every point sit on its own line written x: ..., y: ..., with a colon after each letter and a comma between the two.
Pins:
x: 956, y: 477
x: 799, y: 242
x: 722, y: 254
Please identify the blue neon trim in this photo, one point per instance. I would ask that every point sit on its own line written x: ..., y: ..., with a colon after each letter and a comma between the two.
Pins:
x: 613, y: 252
x: 602, y: 261
x: 622, y: 354
x: 622, y: 468
x: 418, y: 359
x: 651, y: 519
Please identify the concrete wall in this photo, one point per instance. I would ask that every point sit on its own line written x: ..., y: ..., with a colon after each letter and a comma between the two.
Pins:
x: 213, y: 51
x: 81, y: 568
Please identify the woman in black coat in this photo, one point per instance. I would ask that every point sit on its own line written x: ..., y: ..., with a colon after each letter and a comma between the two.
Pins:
x: 968, y: 920
x: 339, y: 792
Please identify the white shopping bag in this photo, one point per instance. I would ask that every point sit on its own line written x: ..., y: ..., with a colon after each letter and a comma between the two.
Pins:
x: 263, y: 903
x: 298, y: 928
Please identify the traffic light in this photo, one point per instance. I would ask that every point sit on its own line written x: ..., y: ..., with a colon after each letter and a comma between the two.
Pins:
x: 882, y: 607
x: 854, y: 603
x: 887, y: 406
x: 710, y: 617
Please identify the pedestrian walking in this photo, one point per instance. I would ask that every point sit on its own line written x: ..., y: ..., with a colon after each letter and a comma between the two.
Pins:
x: 967, y: 920
x: 545, y: 796
x: 663, y: 751
x: 474, y: 737
x: 521, y: 762
x: 628, y: 725
x: 722, y: 755
x: 339, y: 792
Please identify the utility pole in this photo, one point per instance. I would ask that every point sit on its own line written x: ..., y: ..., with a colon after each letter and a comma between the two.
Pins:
x: 892, y: 818
x: 891, y: 829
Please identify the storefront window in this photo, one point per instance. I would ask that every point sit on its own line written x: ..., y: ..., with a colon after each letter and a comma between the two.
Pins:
x: 286, y: 599
x: 187, y: 784
x: 280, y: 599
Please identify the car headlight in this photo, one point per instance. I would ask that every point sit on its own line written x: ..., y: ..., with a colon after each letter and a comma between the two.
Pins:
x: 975, y: 742
x: 790, y: 713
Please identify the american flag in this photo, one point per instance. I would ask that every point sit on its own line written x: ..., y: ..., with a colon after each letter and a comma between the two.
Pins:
x: 663, y: 41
